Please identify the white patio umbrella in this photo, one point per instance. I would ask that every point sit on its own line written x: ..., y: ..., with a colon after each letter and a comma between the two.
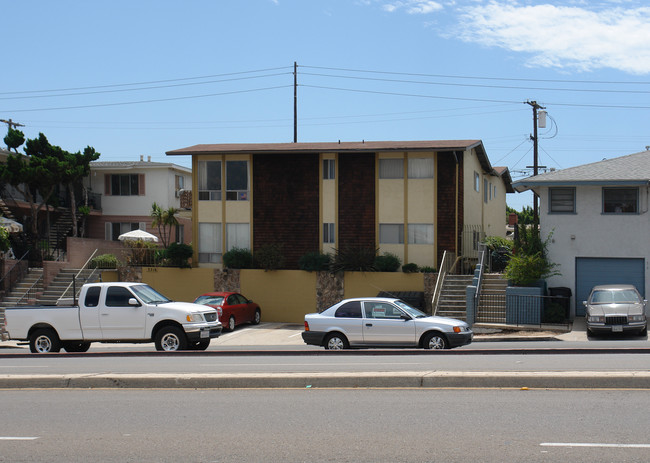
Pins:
x: 11, y: 225
x: 135, y: 235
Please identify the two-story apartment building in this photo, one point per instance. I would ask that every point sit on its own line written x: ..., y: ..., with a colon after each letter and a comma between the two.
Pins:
x: 414, y: 199
x: 126, y: 191
x: 597, y: 216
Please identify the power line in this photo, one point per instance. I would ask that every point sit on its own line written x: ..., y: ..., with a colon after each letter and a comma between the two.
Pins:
x: 506, y: 87
x: 139, y: 88
x: 145, y: 82
x: 513, y: 79
x: 100, y: 105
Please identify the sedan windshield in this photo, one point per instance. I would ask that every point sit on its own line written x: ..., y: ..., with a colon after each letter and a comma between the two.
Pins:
x: 209, y: 300
x: 412, y: 311
x: 149, y: 295
x: 627, y: 296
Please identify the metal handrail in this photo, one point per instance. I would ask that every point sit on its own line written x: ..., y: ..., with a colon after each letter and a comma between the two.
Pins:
x: 77, y: 275
x: 30, y: 290
x: 8, y: 274
x: 481, y: 264
x: 446, y: 266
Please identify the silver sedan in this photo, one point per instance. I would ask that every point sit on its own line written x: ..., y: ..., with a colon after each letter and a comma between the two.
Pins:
x: 382, y: 322
x: 616, y: 308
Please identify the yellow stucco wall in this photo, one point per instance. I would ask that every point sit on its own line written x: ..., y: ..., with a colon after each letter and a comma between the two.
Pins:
x: 179, y: 284
x: 367, y: 284
x: 284, y: 296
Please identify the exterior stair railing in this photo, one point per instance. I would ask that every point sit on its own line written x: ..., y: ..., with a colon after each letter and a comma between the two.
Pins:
x: 74, y: 279
x: 478, y: 274
x: 449, y: 262
x: 15, y: 274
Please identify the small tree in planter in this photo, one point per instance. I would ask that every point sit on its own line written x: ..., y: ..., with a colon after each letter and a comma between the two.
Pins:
x: 314, y: 262
x: 269, y: 257
x: 528, y: 262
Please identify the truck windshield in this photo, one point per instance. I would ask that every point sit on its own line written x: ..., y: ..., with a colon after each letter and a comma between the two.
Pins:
x: 149, y: 295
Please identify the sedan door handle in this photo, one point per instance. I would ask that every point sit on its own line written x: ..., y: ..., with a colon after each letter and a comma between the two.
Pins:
x: 368, y: 324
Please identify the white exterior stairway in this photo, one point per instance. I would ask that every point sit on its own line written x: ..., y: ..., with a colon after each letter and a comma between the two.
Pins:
x: 452, y: 296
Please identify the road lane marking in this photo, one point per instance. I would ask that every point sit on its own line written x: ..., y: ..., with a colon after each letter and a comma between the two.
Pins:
x: 594, y: 444
x: 17, y: 438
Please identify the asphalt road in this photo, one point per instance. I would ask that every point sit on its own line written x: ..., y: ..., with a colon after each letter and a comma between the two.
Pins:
x: 273, y: 355
x: 312, y: 425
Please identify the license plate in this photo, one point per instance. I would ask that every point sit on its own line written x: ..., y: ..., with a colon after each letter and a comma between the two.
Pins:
x: 205, y: 333
x: 617, y: 328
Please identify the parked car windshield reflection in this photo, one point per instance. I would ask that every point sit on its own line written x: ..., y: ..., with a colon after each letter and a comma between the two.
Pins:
x: 412, y: 311
x: 149, y: 295
x: 615, y: 297
x: 209, y: 300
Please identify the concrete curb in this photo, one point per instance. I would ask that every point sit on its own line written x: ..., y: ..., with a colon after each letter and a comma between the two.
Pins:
x: 409, y: 379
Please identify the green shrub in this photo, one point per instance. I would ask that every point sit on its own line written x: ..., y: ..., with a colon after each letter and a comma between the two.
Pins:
x: 387, y: 263
x: 104, y: 261
x: 428, y: 269
x: 524, y: 270
x: 269, y: 257
x: 410, y: 268
x: 355, y: 259
x: 314, y: 262
x: 495, y: 243
x: 179, y: 254
x: 238, y: 258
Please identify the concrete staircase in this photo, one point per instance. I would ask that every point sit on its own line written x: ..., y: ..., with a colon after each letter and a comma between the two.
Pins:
x: 452, y: 296
x: 62, y: 281
x: 60, y: 229
x: 492, y: 302
x: 30, y: 281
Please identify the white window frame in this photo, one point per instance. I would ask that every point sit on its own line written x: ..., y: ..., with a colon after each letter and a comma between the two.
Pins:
x: 420, y: 168
x: 237, y: 194
x: 391, y: 233
x: 329, y: 169
x: 238, y: 236
x: 420, y: 233
x: 329, y: 236
x: 204, y: 193
x: 391, y: 168
x: 559, y: 205
x: 210, y: 243
x: 477, y: 182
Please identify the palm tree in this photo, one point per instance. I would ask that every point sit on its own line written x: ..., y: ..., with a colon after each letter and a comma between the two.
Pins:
x: 164, y: 220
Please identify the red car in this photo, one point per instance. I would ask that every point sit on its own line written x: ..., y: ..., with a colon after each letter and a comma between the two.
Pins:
x: 233, y: 308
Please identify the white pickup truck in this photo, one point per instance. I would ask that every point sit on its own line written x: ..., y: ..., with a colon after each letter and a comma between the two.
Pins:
x: 114, y: 312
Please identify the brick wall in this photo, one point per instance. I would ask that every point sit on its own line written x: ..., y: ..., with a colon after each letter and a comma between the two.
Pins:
x: 286, y: 204
x: 356, y: 220
x: 446, y: 219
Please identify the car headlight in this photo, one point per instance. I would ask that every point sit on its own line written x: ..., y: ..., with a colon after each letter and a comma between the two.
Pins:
x: 636, y: 318
x: 596, y: 318
x: 194, y: 317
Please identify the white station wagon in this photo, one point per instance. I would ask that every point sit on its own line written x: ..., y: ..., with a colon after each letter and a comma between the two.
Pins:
x: 382, y: 322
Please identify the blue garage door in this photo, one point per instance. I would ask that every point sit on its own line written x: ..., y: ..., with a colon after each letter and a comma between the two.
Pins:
x: 591, y: 271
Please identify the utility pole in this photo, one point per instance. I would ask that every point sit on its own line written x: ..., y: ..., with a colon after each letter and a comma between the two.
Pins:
x: 295, y: 102
x: 11, y: 124
x: 533, y: 137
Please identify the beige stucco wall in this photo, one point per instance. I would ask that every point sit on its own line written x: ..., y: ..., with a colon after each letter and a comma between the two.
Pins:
x: 284, y: 296
x: 179, y: 284
x: 366, y: 284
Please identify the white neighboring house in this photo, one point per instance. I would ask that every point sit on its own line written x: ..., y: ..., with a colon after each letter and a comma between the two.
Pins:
x: 128, y: 191
x: 598, y: 216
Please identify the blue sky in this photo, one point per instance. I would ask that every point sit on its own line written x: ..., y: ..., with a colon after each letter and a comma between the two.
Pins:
x: 142, y: 77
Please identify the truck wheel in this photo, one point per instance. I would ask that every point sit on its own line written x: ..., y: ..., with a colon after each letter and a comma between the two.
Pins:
x: 170, y: 338
x: 200, y: 345
x: 44, y: 341
x: 76, y: 346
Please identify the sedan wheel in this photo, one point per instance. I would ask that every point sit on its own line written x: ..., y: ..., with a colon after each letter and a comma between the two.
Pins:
x: 336, y: 342
x: 257, y: 318
x: 231, y: 323
x: 435, y: 341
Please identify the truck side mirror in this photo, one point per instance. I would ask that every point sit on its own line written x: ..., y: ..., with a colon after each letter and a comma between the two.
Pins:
x: 134, y: 302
